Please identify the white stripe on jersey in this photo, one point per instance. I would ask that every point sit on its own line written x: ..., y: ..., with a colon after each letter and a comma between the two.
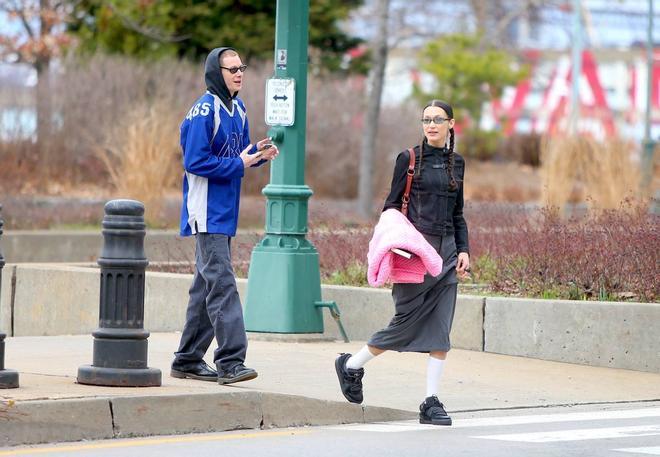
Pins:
x: 216, y: 117
x: 240, y: 112
x: 198, y: 189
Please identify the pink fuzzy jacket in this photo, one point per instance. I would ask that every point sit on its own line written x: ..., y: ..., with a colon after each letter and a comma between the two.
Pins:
x: 394, y: 230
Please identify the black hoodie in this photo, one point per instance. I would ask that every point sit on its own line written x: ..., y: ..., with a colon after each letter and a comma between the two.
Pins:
x: 215, y: 83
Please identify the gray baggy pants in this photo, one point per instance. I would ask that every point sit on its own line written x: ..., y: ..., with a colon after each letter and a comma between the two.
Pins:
x: 214, y: 308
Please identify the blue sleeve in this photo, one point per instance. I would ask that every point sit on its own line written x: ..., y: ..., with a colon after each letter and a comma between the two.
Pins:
x: 197, y: 156
x: 246, y: 141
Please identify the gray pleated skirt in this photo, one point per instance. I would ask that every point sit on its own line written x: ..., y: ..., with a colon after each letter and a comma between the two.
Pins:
x: 423, y: 312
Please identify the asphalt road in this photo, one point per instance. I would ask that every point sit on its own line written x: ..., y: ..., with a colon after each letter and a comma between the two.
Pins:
x: 631, y: 429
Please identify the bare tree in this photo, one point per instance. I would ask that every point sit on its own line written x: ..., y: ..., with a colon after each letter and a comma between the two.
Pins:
x: 493, y: 18
x: 396, y: 22
x: 374, y: 94
x: 39, y: 38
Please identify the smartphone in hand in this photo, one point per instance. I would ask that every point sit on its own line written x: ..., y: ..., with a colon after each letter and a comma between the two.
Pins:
x: 402, y: 253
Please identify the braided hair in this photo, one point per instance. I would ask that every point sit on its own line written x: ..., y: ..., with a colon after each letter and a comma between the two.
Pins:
x: 450, y: 112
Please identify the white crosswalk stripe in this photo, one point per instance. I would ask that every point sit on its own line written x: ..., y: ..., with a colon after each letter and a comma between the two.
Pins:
x: 532, y: 429
x: 551, y: 418
x: 413, y: 425
x: 577, y: 434
x: 653, y: 450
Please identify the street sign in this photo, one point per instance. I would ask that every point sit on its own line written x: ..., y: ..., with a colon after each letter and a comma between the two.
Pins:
x: 281, y: 59
x: 280, y: 101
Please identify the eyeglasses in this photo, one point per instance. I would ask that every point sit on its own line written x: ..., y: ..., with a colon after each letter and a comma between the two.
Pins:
x: 437, y: 120
x: 233, y: 70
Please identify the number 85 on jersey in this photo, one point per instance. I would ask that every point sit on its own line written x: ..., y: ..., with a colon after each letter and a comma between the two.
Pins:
x: 200, y: 108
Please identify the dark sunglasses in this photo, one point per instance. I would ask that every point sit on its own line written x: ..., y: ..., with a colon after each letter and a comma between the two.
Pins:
x: 233, y: 70
x: 437, y: 120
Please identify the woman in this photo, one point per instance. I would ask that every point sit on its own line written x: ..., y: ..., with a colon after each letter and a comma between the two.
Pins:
x: 424, y: 312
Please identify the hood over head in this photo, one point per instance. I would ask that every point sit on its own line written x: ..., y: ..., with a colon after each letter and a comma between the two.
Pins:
x: 215, y: 83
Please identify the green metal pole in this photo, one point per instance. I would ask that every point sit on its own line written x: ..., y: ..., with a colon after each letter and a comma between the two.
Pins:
x: 649, y: 143
x: 284, y: 281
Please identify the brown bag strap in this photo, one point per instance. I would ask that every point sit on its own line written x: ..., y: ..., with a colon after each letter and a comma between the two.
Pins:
x: 409, y: 178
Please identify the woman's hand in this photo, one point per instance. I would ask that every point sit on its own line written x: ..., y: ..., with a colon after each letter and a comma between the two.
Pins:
x: 463, y: 265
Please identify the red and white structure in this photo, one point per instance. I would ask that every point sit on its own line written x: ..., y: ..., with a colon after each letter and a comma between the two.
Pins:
x: 612, y: 93
x: 612, y: 98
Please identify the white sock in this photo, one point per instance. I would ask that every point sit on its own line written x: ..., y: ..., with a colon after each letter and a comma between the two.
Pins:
x: 360, y: 358
x: 434, y: 369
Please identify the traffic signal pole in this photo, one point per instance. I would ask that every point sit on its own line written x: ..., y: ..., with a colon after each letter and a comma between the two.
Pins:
x: 284, y: 285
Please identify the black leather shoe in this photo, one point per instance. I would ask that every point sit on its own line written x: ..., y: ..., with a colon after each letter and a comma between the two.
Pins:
x: 201, y: 372
x: 433, y: 412
x: 350, y: 380
x: 237, y: 374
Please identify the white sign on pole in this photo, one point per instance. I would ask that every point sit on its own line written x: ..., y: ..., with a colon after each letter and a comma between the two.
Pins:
x: 280, y: 101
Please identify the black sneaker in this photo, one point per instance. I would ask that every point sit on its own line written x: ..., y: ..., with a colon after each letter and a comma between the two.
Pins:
x: 237, y: 374
x: 200, y: 371
x: 433, y: 412
x: 350, y: 380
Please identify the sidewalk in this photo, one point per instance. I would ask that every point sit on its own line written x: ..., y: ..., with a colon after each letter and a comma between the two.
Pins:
x: 472, y: 381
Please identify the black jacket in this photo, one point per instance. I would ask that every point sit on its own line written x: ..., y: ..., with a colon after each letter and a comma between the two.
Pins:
x: 434, y: 209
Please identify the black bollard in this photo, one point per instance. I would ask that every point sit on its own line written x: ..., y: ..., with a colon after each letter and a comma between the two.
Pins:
x: 120, y: 342
x: 8, y: 378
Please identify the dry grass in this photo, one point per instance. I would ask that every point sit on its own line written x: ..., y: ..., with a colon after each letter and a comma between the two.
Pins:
x: 96, y: 98
x: 106, y: 103
x: 501, y: 181
x: 142, y: 156
x: 557, y: 170
x: 583, y: 169
x: 610, y: 176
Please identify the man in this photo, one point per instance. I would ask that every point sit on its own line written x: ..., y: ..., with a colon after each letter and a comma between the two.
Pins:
x: 215, y: 140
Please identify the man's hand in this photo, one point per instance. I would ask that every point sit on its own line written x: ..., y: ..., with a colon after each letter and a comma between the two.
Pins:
x: 250, y: 159
x: 463, y: 265
x: 268, y: 149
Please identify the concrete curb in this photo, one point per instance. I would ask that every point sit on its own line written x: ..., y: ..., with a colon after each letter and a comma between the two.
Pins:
x: 43, y: 421
x: 46, y: 299
x: 606, y: 334
x: 84, y: 245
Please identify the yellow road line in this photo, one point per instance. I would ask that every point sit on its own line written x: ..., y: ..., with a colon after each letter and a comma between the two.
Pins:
x: 148, y: 442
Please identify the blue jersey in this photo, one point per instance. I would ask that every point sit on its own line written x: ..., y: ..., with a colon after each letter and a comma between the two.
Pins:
x: 212, y: 138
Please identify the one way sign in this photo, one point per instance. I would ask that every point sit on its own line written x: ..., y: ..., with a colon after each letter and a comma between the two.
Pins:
x: 280, y: 101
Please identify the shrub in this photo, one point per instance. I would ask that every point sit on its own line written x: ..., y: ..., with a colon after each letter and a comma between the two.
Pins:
x: 605, y: 255
x: 355, y: 275
x: 521, y: 148
x: 342, y: 251
x: 478, y: 144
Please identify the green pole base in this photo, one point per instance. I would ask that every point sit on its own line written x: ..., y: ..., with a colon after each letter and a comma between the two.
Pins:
x: 283, y: 286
